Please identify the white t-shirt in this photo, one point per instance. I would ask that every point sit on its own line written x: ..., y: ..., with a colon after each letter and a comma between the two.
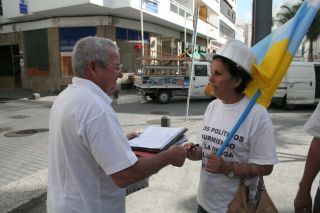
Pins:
x: 254, y: 142
x: 86, y: 146
x: 313, y: 124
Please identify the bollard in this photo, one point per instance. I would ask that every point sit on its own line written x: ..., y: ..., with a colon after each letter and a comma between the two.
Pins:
x: 35, y: 96
x: 165, y: 121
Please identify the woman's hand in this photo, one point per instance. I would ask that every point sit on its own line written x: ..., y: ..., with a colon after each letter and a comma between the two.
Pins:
x: 217, y: 165
x: 132, y: 135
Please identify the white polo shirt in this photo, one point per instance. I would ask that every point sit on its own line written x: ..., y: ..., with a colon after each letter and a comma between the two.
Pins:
x: 86, y: 146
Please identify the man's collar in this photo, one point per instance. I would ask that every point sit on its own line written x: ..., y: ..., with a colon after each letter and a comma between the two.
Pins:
x: 92, y: 86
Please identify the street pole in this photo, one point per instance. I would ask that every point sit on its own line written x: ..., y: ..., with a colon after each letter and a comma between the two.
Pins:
x: 261, y: 20
x: 185, y: 30
x: 207, y: 50
x: 141, y: 20
x: 191, y: 70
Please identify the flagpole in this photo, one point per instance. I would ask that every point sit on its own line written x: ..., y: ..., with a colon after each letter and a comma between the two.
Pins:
x: 191, y: 71
x: 239, y: 122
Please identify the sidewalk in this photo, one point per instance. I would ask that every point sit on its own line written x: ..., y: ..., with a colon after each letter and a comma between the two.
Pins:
x: 23, y: 157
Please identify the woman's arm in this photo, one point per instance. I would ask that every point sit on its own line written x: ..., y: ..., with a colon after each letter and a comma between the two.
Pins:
x: 216, y: 164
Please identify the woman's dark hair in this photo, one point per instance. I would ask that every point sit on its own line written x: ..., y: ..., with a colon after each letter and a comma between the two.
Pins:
x: 235, y: 71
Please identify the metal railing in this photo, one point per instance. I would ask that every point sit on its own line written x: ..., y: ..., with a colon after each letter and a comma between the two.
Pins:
x: 179, y: 9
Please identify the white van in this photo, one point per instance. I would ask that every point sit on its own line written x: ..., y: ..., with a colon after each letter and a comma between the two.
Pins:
x: 301, y: 85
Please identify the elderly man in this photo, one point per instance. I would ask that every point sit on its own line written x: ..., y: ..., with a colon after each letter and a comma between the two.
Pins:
x: 90, y: 159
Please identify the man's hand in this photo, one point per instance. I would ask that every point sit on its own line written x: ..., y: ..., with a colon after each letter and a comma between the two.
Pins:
x: 193, y: 151
x: 216, y: 164
x: 132, y: 135
x: 303, y: 201
x: 177, y: 155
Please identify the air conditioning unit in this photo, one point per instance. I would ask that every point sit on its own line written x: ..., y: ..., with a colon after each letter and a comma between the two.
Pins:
x: 214, y: 45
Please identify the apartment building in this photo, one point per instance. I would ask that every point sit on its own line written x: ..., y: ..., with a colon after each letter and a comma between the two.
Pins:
x: 37, y: 36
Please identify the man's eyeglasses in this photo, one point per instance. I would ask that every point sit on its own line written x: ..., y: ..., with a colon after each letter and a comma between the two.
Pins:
x: 116, y: 67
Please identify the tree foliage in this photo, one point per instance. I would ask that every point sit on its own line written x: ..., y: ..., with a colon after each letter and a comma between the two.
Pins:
x: 287, y: 11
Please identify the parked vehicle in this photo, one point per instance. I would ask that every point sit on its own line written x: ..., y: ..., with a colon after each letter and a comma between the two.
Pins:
x: 301, y: 85
x: 163, y: 78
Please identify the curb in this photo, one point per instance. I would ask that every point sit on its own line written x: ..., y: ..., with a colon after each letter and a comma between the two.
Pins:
x: 25, y: 193
x: 30, y: 204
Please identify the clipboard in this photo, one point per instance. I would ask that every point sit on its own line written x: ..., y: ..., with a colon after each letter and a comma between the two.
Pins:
x: 156, y: 139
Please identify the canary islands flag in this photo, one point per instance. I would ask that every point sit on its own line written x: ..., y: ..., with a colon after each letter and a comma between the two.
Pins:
x: 275, y: 52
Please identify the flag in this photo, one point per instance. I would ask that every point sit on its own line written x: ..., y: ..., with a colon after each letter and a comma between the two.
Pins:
x: 274, y: 55
x: 275, y: 52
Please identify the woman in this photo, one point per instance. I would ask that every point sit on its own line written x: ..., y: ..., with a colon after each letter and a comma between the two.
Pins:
x: 251, y: 152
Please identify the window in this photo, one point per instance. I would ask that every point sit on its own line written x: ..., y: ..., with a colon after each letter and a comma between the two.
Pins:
x: 226, y: 30
x: 121, y: 34
x: 1, y: 13
x: 179, y: 9
x: 182, y: 12
x: 68, y: 38
x: 6, y: 61
x: 38, y: 53
x: 131, y: 35
x: 200, y: 70
x: 173, y: 8
x: 70, y: 35
x: 227, y: 11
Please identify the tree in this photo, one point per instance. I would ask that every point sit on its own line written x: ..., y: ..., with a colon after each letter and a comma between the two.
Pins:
x: 288, y: 11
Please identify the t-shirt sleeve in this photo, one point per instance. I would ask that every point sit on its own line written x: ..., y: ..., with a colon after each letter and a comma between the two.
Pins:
x: 262, y: 141
x: 108, y: 143
x: 313, y: 124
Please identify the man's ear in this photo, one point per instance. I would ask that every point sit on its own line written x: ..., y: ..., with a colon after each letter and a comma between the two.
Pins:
x: 90, y: 71
x: 92, y: 67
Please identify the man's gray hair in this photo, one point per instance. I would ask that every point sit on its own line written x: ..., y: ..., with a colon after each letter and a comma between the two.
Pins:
x: 88, y: 49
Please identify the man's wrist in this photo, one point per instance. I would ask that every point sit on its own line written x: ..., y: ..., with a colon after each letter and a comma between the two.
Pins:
x: 305, y: 186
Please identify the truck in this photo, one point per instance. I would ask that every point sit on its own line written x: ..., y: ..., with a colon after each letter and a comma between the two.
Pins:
x: 300, y: 85
x: 164, y: 78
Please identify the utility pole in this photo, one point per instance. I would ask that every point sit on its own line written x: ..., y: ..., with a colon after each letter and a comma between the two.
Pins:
x: 261, y: 19
x: 141, y: 22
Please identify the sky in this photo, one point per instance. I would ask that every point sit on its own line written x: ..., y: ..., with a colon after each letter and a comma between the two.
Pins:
x: 244, y: 8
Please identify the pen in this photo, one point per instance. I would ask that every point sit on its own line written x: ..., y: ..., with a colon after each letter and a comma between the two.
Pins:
x: 194, y: 146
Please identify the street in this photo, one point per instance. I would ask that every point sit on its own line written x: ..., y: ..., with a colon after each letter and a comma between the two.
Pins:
x: 171, y: 189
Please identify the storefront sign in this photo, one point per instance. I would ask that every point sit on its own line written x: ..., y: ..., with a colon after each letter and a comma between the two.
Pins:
x: 151, y: 5
x: 23, y: 6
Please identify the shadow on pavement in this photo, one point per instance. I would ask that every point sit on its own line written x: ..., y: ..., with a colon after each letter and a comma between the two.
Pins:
x: 189, y: 204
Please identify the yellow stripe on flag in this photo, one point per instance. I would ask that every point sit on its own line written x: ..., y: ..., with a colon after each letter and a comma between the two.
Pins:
x: 268, y: 75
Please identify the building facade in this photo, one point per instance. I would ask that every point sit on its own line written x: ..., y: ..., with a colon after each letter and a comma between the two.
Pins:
x: 37, y: 36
